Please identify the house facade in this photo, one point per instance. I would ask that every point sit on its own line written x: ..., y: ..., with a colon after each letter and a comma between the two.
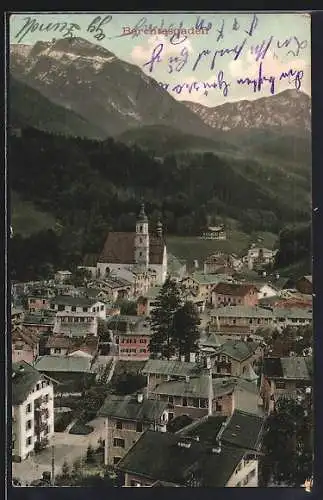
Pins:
x: 249, y: 318
x: 218, y: 263
x: 201, y: 285
x: 256, y: 257
x: 284, y: 377
x: 126, y: 419
x: 79, y: 324
x: 32, y: 410
x: 234, y: 294
x: 132, y: 336
x: 78, y: 306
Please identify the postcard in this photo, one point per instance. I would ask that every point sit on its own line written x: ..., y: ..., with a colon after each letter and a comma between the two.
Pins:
x: 160, y: 249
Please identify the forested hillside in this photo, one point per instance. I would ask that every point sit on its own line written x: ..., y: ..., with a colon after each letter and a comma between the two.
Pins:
x: 90, y: 187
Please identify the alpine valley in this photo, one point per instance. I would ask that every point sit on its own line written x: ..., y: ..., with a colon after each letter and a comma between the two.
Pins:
x: 96, y: 134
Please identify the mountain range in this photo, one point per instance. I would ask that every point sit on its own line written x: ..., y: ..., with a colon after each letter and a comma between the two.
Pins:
x: 103, y: 96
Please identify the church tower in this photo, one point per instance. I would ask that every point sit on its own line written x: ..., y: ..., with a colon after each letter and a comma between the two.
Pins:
x: 142, y: 239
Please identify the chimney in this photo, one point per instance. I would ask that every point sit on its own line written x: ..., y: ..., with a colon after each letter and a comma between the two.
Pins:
x: 140, y: 397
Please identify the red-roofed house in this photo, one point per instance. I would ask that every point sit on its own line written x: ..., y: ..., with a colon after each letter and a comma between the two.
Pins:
x: 234, y: 294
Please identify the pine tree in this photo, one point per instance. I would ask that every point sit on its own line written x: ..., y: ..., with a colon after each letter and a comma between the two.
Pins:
x: 162, y: 319
x: 186, y: 331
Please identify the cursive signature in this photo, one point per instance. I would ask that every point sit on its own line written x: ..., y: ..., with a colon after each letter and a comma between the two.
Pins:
x: 293, y: 75
x: 236, y: 50
x: 32, y: 25
x: 196, y: 86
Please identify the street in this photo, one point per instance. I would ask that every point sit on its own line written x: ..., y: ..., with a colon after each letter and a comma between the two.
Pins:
x: 67, y: 447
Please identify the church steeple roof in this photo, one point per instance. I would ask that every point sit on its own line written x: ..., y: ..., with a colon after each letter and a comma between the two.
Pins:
x: 142, y: 217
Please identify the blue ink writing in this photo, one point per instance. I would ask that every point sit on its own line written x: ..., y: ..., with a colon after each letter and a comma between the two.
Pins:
x: 218, y: 83
x: 236, y: 25
x: 220, y: 31
x: 254, y: 24
x: 261, y: 50
x: 32, y: 25
x: 178, y: 61
x: 199, y: 24
x: 300, y: 45
x: 178, y: 37
x: 257, y: 83
x: 155, y: 57
x: 221, y: 52
x: 96, y: 26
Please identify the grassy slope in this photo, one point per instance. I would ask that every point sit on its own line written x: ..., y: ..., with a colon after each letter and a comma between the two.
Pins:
x: 26, y: 218
x: 190, y: 248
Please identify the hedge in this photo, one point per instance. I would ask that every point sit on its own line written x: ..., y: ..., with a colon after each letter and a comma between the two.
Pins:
x: 81, y: 429
x: 62, y: 420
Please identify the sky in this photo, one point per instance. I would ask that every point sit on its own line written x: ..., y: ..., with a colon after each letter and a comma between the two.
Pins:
x: 276, y: 44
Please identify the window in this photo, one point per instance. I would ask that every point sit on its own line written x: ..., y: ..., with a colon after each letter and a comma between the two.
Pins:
x: 73, y: 308
x: 280, y: 384
x: 32, y: 301
x: 116, y: 460
x: 238, y: 468
x: 85, y: 309
x: 38, y: 387
x: 29, y: 424
x: 218, y: 407
x: 203, y: 403
x: 44, y: 301
x: 142, y: 350
x: 61, y: 307
x: 140, y: 254
x: 28, y: 441
x: 171, y: 400
x: 57, y: 350
x: 119, y: 424
x: 184, y: 401
x: 101, y: 308
x: 142, y: 341
x: 118, y: 443
x: 46, y: 398
x: 138, y: 427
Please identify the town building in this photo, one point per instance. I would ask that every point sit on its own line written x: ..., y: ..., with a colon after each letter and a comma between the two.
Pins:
x: 61, y: 345
x: 115, y: 288
x: 213, y: 453
x: 63, y: 276
x: 32, y: 410
x: 232, y: 317
x: 126, y: 419
x: 25, y: 345
x: 257, y: 257
x: 235, y: 357
x: 77, y: 325
x: 305, y: 285
x: 201, y: 285
x: 74, y: 373
x: 142, y: 251
x: 218, y: 263
x: 284, y: 377
x: 41, y: 322
x: 79, y: 305
x: 214, y: 233
x: 234, y: 294
x: 132, y: 336
x: 146, y: 303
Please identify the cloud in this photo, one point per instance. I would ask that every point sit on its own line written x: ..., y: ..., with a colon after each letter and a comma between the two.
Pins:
x: 142, y: 53
x: 272, y: 65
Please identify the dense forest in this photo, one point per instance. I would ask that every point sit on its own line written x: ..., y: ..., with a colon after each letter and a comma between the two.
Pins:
x: 91, y: 187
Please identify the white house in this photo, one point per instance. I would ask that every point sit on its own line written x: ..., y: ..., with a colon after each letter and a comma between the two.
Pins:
x: 78, y: 305
x: 261, y: 256
x: 140, y: 251
x: 62, y: 276
x: 32, y: 410
x: 80, y: 324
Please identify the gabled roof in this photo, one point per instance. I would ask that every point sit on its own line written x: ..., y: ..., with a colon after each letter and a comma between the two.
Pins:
x: 175, y: 368
x: 243, y: 312
x: 292, y: 368
x: 68, y: 300
x: 24, y: 378
x: 238, y: 350
x: 128, y: 408
x: 234, y: 289
x: 197, y: 387
x: 175, y: 464
x: 119, y: 248
x: 207, y: 279
x: 63, y: 364
x: 58, y: 341
x: 243, y: 430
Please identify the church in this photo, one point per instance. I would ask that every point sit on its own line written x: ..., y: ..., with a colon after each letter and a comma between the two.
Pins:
x: 142, y: 252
